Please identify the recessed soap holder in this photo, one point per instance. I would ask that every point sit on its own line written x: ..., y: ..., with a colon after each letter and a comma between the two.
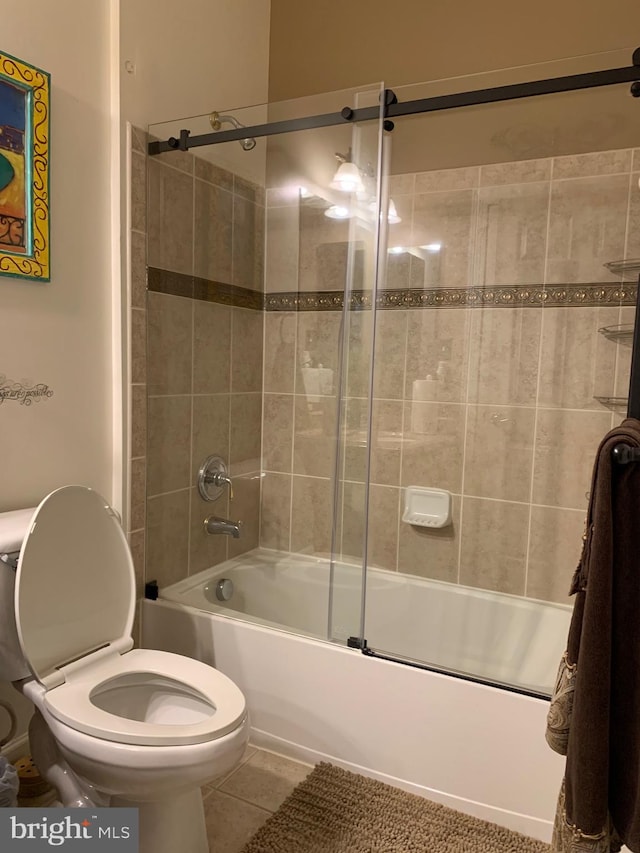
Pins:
x: 427, y: 507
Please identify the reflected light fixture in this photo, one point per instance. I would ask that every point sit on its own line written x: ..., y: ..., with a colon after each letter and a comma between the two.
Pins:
x: 347, y: 178
x: 392, y: 215
x: 337, y: 211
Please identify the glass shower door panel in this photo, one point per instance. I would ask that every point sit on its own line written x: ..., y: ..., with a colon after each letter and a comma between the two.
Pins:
x: 498, y: 369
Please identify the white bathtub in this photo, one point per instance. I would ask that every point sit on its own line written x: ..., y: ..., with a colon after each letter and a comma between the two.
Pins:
x: 471, y: 746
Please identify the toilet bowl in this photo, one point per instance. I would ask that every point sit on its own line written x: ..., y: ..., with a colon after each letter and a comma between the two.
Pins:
x: 114, y: 725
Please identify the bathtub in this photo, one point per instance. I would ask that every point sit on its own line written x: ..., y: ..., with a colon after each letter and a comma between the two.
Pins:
x: 473, y: 746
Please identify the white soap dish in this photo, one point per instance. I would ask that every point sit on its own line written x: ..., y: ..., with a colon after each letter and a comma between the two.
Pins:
x: 427, y: 507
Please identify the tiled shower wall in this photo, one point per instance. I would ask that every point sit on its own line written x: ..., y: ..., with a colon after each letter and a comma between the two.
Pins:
x: 201, y: 372
x: 505, y: 318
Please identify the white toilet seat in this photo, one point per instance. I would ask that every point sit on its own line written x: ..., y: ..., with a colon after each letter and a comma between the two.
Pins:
x: 220, y: 704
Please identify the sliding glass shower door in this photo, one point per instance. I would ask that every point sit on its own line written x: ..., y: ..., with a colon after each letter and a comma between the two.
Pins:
x: 500, y: 363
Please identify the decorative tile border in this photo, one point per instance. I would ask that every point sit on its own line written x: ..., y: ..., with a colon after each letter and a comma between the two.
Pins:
x: 505, y: 296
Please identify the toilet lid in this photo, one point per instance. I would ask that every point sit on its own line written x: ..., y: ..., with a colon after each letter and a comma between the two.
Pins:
x: 75, y: 583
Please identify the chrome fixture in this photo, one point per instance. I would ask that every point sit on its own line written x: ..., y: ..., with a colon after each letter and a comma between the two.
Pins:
x: 213, y: 477
x: 213, y: 524
x: 216, y: 121
x: 224, y: 589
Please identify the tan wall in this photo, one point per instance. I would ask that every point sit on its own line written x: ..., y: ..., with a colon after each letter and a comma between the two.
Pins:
x: 192, y: 57
x: 331, y: 45
x: 60, y: 333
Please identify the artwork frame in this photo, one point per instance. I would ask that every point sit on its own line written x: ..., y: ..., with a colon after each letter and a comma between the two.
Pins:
x: 24, y: 169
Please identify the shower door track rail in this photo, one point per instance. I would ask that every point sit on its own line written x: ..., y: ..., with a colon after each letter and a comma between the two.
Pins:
x: 393, y: 109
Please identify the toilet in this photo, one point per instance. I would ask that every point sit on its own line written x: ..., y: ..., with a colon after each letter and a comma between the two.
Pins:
x: 113, y: 725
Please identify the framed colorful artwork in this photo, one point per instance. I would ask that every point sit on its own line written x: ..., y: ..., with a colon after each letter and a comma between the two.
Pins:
x: 24, y: 169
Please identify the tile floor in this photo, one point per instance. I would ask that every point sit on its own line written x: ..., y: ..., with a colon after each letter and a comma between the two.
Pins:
x: 237, y: 804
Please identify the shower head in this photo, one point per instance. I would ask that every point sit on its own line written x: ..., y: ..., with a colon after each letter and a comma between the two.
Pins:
x: 216, y: 121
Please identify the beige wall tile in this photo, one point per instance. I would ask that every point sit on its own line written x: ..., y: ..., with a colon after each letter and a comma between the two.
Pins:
x: 396, y: 274
x: 390, y: 353
x: 586, y: 228
x: 499, y: 452
x: 565, y: 449
x: 386, y: 442
x: 635, y: 163
x: 210, y: 430
x: 577, y: 363
x: 170, y: 244
x: 436, y: 337
x: 434, y: 459
x: 282, y: 228
x: 208, y: 171
x: 138, y: 192
x: 138, y: 494
x: 318, y: 231
x: 246, y: 427
x: 382, y: 538
x: 493, y: 554
x: 275, y: 511
x: 633, y: 221
x: 245, y: 507
x: 206, y: 549
x: 504, y: 346
x: 136, y: 541
x: 277, y: 432
x: 213, y: 232
x: 249, y: 190
x: 139, y: 139
x: 624, y: 352
x: 211, y: 348
x: 401, y: 184
x: 246, y: 350
x: 447, y: 179
x: 248, y: 244
x: 314, y: 436
x: 167, y: 537
x: 447, y: 218
x: 181, y: 160
x: 430, y: 553
x: 597, y: 163
x: 169, y: 343
x: 554, y: 550
x: 169, y: 448
x: 318, y: 339
x: 138, y: 346
x: 311, y: 516
x: 279, y: 351
x: 358, y: 336
x: 519, y: 172
x: 138, y: 270
x: 138, y: 420
x: 511, y: 234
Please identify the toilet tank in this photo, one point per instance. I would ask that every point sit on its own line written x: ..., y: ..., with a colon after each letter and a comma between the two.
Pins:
x: 13, y: 666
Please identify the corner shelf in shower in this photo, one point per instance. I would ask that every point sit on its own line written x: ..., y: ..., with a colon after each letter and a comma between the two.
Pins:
x: 616, y: 404
x: 622, y: 333
x: 628, y: 268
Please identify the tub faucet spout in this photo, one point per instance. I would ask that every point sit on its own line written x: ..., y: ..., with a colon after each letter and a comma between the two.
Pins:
x: 213, y: 524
